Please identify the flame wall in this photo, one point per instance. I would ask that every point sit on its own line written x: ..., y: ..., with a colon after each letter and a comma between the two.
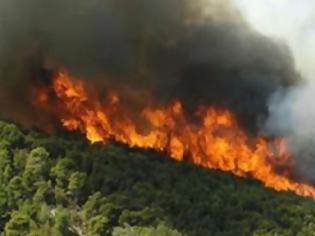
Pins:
x: 213, y: 139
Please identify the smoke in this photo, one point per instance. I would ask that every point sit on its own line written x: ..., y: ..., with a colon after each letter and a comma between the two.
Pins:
x: 291, y: 110
x: 292, y: 115
x: 203, y: 52
x: 288, y: 21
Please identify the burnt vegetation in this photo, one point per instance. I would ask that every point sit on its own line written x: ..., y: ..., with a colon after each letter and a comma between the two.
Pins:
x: 60, y: 185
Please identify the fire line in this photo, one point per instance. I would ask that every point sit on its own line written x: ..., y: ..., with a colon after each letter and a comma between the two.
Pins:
x: 216, y: 142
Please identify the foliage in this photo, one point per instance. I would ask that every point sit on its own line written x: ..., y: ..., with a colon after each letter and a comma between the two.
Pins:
x: 145, y: 231
x: 58, y: 184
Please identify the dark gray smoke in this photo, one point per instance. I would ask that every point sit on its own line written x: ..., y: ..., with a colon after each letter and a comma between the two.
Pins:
x: 201, y: 51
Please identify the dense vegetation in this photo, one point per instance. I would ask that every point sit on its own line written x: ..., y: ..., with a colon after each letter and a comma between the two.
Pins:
x: 60, y: 185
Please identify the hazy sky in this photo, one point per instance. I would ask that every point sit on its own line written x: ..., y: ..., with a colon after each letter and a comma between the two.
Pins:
x: 289, y: 20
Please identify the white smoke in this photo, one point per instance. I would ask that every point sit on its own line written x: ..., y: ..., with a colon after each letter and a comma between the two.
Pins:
x: 293, y: 111
x: 292, y: 115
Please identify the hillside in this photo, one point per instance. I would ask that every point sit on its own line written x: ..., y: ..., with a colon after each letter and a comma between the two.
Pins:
x: 58, y: 184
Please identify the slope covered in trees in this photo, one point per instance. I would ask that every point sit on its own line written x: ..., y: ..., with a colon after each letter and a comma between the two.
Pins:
x: 58, y: 184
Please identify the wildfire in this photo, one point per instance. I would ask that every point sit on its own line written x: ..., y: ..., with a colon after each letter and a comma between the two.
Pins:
x: 214, y: 141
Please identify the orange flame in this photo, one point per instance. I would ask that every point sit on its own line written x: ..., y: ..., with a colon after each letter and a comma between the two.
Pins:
x: 215, y: 142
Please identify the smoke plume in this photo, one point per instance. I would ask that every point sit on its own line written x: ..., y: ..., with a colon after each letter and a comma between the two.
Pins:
x: 202, y: 52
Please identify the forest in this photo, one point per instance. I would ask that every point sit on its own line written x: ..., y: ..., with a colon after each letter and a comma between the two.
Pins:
x: 59, y: 184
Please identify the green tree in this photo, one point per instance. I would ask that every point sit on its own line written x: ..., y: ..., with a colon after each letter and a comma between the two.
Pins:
x: 62, y: 225
x: 62, y: 171
x: 16, y: 191
x: 18, y: 225
x: 6, y: 170
x: 11, y: 134
x: 98, y: 226
x: 76, y: 182
x: 36, y: 167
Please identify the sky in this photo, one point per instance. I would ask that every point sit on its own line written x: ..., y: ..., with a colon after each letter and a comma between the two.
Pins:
x: 292, y: 21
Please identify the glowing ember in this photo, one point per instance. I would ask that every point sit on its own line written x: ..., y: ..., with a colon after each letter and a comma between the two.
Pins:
x: 215, y: 142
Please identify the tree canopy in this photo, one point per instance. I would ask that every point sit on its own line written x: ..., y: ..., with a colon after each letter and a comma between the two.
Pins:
x: 58, y: 184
